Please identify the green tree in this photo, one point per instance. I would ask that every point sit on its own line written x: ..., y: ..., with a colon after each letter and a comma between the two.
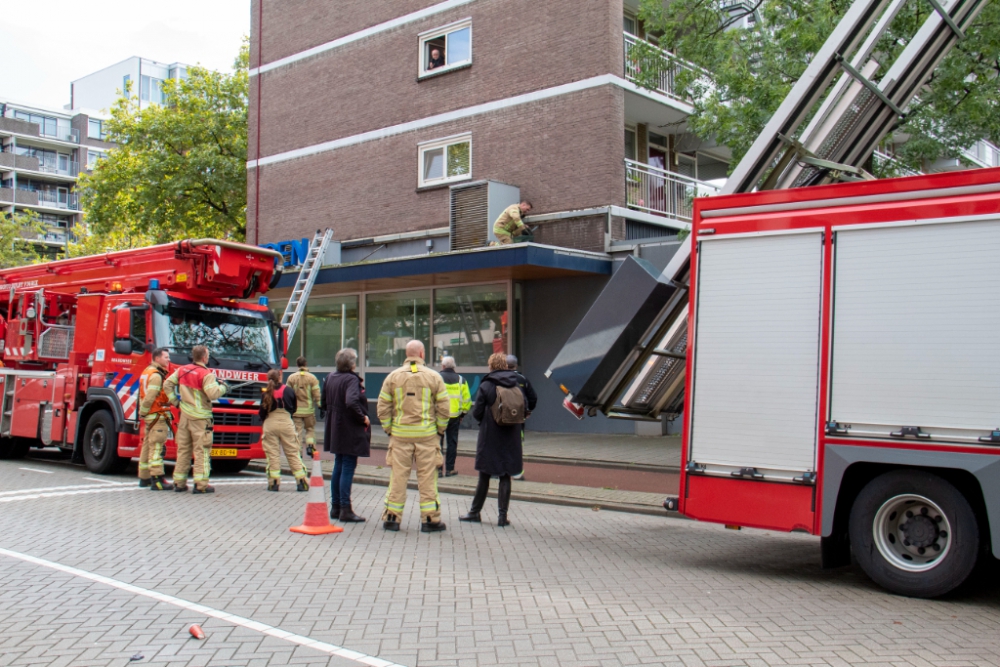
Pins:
x: 179, y: 170
x: 747, y: 71
x: 16, y: 232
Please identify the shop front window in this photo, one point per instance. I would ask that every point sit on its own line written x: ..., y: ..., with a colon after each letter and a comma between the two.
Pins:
x: 330, y: 325
x: 392, y: 320
x: 471, y: 323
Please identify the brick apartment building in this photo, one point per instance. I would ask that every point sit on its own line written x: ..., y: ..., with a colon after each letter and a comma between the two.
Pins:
x: 405, y: 127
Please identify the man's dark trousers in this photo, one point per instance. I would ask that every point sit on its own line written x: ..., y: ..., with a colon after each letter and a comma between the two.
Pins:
x: 450, y: 443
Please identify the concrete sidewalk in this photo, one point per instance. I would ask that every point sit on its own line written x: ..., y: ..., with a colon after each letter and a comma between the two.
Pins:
x: 628, y: 452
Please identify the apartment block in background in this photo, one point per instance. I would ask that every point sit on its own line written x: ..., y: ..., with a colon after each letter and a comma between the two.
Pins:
x: 144, y: 77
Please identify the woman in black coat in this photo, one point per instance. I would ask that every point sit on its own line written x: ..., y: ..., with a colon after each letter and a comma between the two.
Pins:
x: 498, y: 450
x: 348, y: 431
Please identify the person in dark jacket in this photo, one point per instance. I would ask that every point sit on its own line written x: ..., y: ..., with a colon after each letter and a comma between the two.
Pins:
x: 498, y: 450
x: 529, y: 394
x: 348, y: 431
x: 277, y: 406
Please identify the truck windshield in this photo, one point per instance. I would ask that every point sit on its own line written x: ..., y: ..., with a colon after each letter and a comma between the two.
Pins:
x: 229, y: 332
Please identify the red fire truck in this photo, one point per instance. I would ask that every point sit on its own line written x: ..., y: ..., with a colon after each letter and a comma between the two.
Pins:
x: 837, y: 349
x: 78, y: 333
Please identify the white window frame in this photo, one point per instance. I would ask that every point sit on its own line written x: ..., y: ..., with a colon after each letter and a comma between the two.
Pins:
x: 443, y: 31
x: 444, y: 143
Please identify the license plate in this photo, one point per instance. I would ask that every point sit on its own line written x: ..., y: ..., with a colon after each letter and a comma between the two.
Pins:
x: 225, y: 452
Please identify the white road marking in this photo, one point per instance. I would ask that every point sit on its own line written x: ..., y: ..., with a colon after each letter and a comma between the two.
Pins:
x: 58, y: 494
x: 263, y: 628
x: 44, y: 472
x: 18, y: 492
x: 104, y: 481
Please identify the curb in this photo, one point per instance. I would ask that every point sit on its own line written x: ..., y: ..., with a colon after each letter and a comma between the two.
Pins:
x: 462, y: 490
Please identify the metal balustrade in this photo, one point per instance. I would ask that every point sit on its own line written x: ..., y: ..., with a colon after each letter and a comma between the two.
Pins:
x: 666, y: 83
x: 663, y: 192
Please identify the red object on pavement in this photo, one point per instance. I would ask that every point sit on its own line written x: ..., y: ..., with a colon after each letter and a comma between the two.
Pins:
x: 196, y: 631
x: 317, y: 522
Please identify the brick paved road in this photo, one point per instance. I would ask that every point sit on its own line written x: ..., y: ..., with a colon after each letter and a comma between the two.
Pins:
x: 562, y: 586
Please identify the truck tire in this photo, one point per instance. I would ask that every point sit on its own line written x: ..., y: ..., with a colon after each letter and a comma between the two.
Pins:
x: 914, y: 533
x: 14, y: 448
x: 229, y: 466
x: 100, y: 445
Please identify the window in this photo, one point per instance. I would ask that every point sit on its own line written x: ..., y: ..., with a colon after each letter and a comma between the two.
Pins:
x: 93, y: 158
x: 138, y: 331
x: 150, y: 90
x: 46, y: 126
x: 330, y: 326
x: 126, y: 85
x: 629, y: 24
x: 630, y: 149
x: 445, y: 160
x: 392, y: 320
x: 95, y: 129
x: 446, y: 48
x: 470, y: 323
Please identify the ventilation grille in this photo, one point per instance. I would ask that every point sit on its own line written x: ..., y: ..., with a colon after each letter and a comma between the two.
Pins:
x: 55, y: 342
x: 469, y: 221
x: 245, y: 439
x: 635, y: 231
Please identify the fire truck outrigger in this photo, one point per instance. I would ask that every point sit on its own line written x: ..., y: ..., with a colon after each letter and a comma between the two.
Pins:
x: 78, y: 333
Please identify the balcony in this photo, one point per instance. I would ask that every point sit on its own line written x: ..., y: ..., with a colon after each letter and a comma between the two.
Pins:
x: 983, y: 153
x: 666, y: 85
x: 62, y: 167
x: 663, y: 192
x: 69, y: 201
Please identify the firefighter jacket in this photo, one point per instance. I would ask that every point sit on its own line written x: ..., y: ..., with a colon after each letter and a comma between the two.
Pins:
x: 458, y: 392
x: 414, y: 402
x: 153, y: 402
x: 509, y: 221
x: 307, y: 393
x: 195, y: 387
x: 284, y: 399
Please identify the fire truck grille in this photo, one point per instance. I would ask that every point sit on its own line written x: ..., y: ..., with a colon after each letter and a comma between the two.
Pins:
x: 249, y: 392
x: 245, y: 439
x: 235, y: 419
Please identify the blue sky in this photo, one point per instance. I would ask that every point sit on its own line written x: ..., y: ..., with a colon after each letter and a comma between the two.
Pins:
x: 45, y: 44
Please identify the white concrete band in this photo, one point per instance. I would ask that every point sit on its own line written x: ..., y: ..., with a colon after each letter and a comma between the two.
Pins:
x: 263, y: 628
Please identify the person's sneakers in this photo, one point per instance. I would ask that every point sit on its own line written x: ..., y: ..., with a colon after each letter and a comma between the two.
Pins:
x: 391, y: 522
x: 432, y: 526
x: 301, y: 484
x: 159, y: 484
x: 451, y: 473
x: 143, y: 483
x: 207, y: 489
x: 518, y: 476
x: 335, y: 512
x: 347, y: 515
x: 273, y: 484
x: 180, y: 488
x: 471, y: 516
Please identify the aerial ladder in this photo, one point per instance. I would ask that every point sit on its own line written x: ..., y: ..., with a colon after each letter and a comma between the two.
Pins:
x: 626, y: 358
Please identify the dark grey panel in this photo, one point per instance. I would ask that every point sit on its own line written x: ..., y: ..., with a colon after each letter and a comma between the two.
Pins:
x: 985, y: 467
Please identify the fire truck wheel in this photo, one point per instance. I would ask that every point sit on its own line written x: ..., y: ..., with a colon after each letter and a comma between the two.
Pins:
x: 100, y: 445
x: 229, y: 467
x: 914, y: 533
x: 14, y: 448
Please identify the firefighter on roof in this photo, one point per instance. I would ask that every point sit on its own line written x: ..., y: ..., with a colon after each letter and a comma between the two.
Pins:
x: 154, y: 408
x: 509, y: 224
x: 307, y: 394
x: 414, y: 409
x: 276, y: 410
x: 194, y: 387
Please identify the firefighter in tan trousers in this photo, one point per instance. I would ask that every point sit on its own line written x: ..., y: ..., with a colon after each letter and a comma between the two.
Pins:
x: 414, y: 409
x: 194, y: 387
x: 276, y: 409
x: 307, y: 394
x: 509, y: 224
x: 154, y: 408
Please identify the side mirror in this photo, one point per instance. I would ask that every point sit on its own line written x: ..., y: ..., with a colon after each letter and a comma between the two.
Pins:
x: 123, y: 346
x: 123, y: 325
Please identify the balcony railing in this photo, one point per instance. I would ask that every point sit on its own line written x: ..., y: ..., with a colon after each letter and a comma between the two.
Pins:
x: 672, y: 66
x: 56, y: 199
x: 663, y: 192
x: 64, y: 168
x: 890, y: 166
x: 985, y: 153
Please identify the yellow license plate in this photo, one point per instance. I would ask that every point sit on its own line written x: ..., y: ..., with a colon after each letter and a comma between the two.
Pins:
x: 225, y: 452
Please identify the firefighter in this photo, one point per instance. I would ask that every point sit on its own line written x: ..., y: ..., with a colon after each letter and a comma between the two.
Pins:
x: 193, y: 388
x: 509, y: 224
x: 460, y: 402
x: 154, y: 408
x: 307, y: 394
x: 413, y: 407
x: 276, y: 409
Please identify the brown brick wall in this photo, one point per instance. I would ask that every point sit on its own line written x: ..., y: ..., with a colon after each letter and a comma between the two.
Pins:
x: 564, y: 153
x: 585, y: 233
x: 372, y: 84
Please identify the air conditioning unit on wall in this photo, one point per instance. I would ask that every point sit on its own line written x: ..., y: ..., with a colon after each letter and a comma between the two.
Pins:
x: 474, y: 209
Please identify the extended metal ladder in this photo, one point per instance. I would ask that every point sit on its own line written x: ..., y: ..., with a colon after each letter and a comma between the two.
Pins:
x: 296, y: 306
x: 473, y: 329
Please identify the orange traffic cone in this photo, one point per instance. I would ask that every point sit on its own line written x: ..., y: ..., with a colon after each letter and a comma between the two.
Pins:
x: 317, y: 520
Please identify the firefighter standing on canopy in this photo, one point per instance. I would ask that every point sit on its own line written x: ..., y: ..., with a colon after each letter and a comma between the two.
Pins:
x: 154, y: 408
x: 307, y: 394
x: 414, y: 408
x: 194, y: 387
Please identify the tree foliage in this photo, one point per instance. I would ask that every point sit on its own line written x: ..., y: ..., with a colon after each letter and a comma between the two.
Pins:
x: 16, y: 231
x: 179, y: 169
x: 749, y: 70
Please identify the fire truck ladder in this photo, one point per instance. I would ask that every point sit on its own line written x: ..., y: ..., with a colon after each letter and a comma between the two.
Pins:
x: 473, y: 331
x: 313, y: 262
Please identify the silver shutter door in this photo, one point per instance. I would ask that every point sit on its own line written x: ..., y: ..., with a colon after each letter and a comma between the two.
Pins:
x: 757, y: 351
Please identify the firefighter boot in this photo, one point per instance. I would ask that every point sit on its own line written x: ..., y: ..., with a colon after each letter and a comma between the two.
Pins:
x: 391, y: 522
x: 273, y: 484
x: 347, y: 515
x: 159, y: 483
x: 429, y: 526
x: 180, y: 488
x: 301, y: 484
x: 503, y: 500
x: 207, y: 489
x: 143, y: 483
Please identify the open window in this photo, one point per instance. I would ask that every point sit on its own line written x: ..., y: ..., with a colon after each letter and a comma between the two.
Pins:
x: 445, y: 160
x: 446, y: 48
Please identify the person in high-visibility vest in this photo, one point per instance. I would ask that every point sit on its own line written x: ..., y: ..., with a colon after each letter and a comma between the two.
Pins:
x: 414, y: 409
x: 460, y: 402
x: 276, y: 409
x: 307, y: 394
x: 154, y: 408
x: 193, y: 388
